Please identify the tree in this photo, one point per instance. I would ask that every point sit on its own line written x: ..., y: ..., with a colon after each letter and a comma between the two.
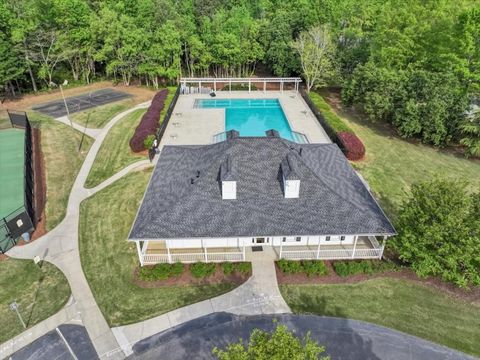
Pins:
x: 281, y: 344
x: 316, y: 49
x: 439, y: 231
x: 470, y: 137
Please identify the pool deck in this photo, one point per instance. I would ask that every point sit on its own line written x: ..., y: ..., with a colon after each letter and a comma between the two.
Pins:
x: 189, y: 126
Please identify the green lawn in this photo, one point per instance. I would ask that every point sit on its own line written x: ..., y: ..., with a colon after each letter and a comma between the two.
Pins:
x: 63, y: 159
x: 398, y: 304
x: 109, y: 261
x: 392, y: 164
x: 40, y: 293
x: 98, y: 116
x: 115, y: 153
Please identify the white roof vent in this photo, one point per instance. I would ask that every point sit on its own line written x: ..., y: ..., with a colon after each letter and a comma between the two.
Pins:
x: 291, y: 180
x: 228, y: 180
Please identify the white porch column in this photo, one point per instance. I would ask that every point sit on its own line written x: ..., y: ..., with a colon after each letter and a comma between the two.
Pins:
x: 139, y: 251
x: 383, y: 247
x: 318, y: 248
x: 281, y: 248
x: 243, y: 250
x: 249, y: 85
x: 214, y: 85
x: 204, y: 251
x: 169, y: 256
x: 354, y: 246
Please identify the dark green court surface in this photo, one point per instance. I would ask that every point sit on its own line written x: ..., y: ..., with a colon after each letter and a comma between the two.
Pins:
x: 11, y: 170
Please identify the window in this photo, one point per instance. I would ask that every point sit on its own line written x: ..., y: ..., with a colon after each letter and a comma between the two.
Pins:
x: 298, y: 238
x: 342, y: 238
x: 327, y: 238
x: 284, y: 239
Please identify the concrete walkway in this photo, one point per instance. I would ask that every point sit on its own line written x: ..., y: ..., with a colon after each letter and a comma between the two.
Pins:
x: 60, y: 247
x: 342, y: 338
x: 89, y: 131
x: 258, y: 295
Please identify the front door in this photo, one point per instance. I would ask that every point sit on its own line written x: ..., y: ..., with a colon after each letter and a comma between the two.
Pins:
x: 260, y: 240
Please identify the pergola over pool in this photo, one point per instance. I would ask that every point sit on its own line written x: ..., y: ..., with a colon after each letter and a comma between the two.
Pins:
x: 276, y: 80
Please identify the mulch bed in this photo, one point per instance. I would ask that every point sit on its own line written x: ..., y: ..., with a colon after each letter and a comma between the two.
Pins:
x: 472, y: 295
x: 186, y: 278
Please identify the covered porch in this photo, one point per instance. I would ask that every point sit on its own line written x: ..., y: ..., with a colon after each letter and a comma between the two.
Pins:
x: 153, y: 252
x: 363, y: 247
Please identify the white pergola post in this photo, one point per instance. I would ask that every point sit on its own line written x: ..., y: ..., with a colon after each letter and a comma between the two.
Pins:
x: 281, y: 86
x: 199, y: 87
x: 169, y: 256
x: 249, y: 85
x: 318, y: 248
x: 139, y: 251
x: 354, y: 246
x: 264, y: 87
x: 230, y: 86
x: 214, y: 85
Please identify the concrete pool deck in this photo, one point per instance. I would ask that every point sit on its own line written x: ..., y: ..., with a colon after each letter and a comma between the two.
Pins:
x: 190, y: 126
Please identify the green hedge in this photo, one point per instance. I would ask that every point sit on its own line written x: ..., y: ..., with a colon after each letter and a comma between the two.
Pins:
x: 330, y: 116
x: 348, y: 268
x: 201, y: 270
x: 242, y: 268
x: 309, y: 267
x: 161, y: 271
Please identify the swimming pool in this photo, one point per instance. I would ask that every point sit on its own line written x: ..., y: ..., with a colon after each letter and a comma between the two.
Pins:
x: 251, y: 117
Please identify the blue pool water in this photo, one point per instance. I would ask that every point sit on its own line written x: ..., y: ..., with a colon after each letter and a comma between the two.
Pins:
x: 250, y: 117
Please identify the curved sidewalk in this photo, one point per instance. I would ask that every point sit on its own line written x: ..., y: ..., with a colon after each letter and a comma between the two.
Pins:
x: 60, y: 247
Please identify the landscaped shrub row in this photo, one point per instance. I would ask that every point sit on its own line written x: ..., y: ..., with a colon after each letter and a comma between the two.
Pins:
x: 149, y: 123
x: 352, y: 145
x: 198, y: 270
x: 348, y: 268
x: 161, y: 271
x: 309, y: 267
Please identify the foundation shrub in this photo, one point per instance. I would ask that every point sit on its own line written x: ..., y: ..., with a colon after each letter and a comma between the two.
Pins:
x: 202, y: 270
x: 227, y: 268
x: 312, y: 267
x: 290, y: 266
x: 243, y: 267
x: 368, y: 267
x: 160, y: 271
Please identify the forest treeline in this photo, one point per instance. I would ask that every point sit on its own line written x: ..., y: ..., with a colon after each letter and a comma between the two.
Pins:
x: 412, y: 63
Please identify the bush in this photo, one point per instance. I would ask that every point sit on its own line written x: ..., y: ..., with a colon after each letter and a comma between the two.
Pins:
x: 148, y: 142
x: 314, y: 267
x: 243, y: 267
x: 290, y: 266
x: 353, y: 146
x: 149, y: 123
x: 335, y: 121
x: 201, y: 270
x: 160, y: 271
x: 348, y: 268
x: 227, y: 268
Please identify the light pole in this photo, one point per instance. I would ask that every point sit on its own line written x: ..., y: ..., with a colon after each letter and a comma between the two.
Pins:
x: 14, y: 307
x: 66, y: 106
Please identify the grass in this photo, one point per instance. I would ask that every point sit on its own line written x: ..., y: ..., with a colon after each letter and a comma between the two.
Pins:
x: 109, y: 261
x: 39, y: 292
x: 115, y: 153
x: 100, y: 115
x: 398, y: 304
x: 63, y: 159
x: 337, y: 123
x: 393, y: 164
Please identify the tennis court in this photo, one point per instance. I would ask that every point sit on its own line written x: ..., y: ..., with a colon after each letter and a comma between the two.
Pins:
x: 11, y: 170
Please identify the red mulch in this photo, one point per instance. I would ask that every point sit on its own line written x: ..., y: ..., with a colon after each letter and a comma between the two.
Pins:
x: 187, y: 279
x: 471, y: 295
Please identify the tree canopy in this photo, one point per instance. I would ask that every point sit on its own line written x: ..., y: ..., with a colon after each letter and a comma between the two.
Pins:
x: 414, y: 64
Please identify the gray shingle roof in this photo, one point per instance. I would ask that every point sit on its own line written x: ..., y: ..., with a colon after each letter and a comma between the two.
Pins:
x: 333, y: 200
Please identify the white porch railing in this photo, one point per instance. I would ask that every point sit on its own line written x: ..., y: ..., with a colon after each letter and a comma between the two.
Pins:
x: 332, y: 254
x: 149, y: 259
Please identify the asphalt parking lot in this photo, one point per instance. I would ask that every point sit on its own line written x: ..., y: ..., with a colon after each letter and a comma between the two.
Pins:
x: 343, y: 338
x: 67, y: 342
x: 81, y: 102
